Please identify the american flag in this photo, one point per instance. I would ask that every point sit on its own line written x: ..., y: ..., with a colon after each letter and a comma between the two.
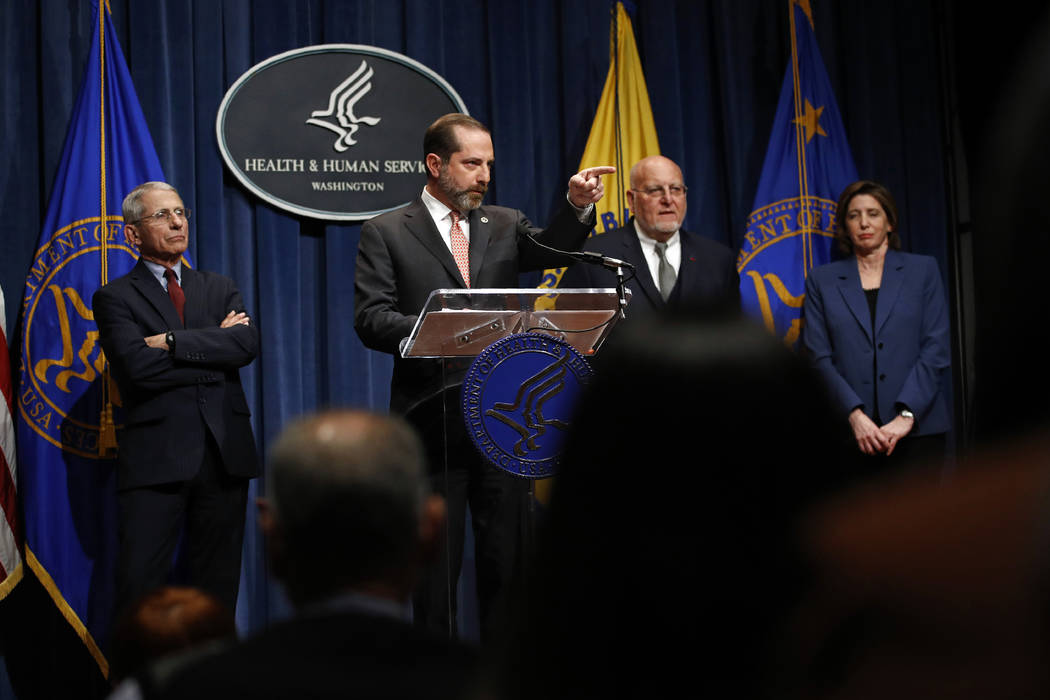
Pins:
x: 10, y: 558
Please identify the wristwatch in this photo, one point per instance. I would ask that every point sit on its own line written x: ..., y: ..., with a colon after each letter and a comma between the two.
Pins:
x: 169, y: 338
x: 905, y: 413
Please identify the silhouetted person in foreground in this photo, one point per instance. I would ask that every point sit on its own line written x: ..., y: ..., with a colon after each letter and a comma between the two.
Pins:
x: 668, y: 562
x: 929, y: 587
x: 349, y: 525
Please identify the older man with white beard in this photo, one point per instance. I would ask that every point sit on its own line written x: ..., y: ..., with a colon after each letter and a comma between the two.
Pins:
x: 673, y: 267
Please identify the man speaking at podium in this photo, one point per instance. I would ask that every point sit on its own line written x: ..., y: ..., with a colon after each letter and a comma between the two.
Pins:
x: 446, y: 239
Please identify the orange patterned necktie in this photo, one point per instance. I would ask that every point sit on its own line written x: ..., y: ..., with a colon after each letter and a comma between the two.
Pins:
x: 460, y: 248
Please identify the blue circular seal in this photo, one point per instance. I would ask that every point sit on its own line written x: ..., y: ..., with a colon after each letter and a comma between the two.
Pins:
x: 518, y: 397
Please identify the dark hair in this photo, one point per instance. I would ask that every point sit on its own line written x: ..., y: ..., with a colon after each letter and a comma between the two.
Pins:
x: 347, y: 488
x: 885, y: 199
x: 694, y: 450
x: 440, y: 138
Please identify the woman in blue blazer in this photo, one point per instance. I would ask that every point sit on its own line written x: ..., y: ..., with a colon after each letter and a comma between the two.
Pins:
x: 876, y: 327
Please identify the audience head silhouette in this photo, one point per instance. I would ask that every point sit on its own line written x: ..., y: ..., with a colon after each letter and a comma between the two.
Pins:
x: 347, y: 506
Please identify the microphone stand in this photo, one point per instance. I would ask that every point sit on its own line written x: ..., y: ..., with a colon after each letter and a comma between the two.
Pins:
x: 592, y: 258
x: 620, y: 291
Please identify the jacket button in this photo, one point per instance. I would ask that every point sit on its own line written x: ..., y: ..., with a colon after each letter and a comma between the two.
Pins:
x: 882, y: 377
x: 880, y: 346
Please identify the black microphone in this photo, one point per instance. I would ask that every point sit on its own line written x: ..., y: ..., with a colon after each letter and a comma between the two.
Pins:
x: 591, y: 258
x: 583, y: 256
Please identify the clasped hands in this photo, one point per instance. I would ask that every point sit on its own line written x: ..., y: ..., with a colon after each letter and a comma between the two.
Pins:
x: 871, y: 439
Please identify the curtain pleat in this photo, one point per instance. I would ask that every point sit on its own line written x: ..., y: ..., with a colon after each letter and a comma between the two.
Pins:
x: 531, y: 69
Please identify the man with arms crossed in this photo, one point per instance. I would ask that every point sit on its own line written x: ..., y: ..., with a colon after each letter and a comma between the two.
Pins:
x: 175, y: 339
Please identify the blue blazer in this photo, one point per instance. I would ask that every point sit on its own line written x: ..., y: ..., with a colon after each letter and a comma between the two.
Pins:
x: 909, y: 347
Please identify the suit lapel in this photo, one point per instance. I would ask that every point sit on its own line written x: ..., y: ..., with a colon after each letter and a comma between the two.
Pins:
x: 148, y: 286
x: 418, y: 222
x: 479, y: 242
x: 195, y: 303
x: 890, y: 287
x: 643, y: 279
x: 687, y: 269
x: 852, y: 294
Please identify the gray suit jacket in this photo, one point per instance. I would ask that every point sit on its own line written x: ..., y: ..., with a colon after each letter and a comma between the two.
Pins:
x: 401, y: 259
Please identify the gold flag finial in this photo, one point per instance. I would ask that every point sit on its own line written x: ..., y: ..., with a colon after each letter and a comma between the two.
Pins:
x: 804, y: 4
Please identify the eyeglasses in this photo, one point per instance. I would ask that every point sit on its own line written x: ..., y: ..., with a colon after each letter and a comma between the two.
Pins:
x: 164, y: 215
x: 658, y: 191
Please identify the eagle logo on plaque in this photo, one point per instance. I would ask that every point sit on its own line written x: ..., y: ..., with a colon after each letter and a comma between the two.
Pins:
x: 341, y: 105
x: 518, y: 397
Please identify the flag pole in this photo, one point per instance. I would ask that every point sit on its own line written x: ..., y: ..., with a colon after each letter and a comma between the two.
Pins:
x: 107, y: 435
x: 614, y: 44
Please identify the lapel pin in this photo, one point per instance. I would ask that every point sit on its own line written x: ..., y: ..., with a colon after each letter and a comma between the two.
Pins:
x: 484, y: 219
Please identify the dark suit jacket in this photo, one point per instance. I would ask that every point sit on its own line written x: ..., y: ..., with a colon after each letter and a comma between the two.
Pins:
x: 347, y: 655
x: 707, y: 273
x: 401, y: 259
x: 910, y: 345
x: 171, y: 402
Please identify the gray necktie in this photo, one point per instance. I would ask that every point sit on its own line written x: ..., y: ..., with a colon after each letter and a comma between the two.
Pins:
x: 665, y: 273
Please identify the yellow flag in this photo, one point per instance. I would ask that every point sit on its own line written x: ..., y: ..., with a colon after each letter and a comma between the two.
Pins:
x: 619, y: 137
x: 623, y: 131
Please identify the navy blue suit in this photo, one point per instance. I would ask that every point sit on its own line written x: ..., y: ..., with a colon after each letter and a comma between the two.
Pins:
x: 909, y: 346
x: 707, y: 272
x: 187, y: 448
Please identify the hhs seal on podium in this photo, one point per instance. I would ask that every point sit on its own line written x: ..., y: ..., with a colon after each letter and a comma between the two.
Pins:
x: 518, y: 398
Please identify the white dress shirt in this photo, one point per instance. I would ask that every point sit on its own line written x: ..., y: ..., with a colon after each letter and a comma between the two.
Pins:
x: 673, y: 253
x: 440, y: 213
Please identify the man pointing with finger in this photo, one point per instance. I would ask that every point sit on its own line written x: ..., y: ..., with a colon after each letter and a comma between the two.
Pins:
x: 447, y: 239
x: 175, y: 339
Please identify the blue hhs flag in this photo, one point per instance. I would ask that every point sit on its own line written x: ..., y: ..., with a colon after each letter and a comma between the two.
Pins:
x: 65, y: 442
x: 808, y: 163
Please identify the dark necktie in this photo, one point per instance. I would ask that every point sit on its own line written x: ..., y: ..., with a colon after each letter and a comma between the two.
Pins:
x: 665, y: 272
x: 175, y: 292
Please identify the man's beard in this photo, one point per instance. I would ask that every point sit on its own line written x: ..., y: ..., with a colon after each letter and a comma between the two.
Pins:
x: 666, y: 226
x: 464, y: 200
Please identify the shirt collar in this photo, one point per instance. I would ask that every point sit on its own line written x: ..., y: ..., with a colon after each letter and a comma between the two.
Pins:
x: 438, y: 209
x: 650, y: 243
x: 158, y: 270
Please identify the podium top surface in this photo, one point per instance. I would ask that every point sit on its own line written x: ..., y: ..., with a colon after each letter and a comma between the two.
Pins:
x: 463, y: 322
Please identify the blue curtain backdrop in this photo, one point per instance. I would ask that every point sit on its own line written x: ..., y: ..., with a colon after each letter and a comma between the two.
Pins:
x: 530, y: 69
